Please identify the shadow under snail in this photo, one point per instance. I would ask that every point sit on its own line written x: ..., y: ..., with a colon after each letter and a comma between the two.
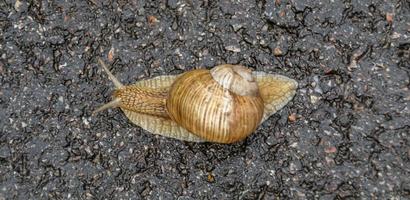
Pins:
x: 224, y: 104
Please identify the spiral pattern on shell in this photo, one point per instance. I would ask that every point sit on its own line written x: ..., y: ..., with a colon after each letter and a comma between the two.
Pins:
x: 222, y: 105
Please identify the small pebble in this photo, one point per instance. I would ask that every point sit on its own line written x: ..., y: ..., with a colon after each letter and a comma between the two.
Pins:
x: 277, y: 52
x: 389, y: 17
x: 292, y: 117
x: 314, y: 99
x: 111, y: 54
x: 330, y: 149
x: 152, y: 20
x: 233, y: 48
x: 210, y: 178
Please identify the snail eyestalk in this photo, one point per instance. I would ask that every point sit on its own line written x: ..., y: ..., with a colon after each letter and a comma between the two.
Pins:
x: 116, y: 82
x: 112, y: 104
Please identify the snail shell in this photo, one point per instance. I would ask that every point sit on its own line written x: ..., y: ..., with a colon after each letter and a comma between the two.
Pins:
x: 223, y: 105
x: 218, y: 105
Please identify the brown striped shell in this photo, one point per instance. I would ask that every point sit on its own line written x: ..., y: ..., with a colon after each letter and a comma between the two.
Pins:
x: 219, y: 105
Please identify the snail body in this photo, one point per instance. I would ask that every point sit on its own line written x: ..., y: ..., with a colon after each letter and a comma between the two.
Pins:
x: 223, y: 105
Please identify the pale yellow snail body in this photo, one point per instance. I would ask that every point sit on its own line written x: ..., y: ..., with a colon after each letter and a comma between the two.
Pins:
x: 223, y: 105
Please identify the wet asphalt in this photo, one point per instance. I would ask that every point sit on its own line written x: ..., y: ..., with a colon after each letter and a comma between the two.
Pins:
x: 345, y: 135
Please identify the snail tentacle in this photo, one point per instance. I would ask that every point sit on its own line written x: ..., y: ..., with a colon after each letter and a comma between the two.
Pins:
x: 117, y: 101
x: 112, y: 104
x: 114, y: 79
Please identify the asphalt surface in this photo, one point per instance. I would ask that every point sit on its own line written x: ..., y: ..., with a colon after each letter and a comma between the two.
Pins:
x: 344, y: 135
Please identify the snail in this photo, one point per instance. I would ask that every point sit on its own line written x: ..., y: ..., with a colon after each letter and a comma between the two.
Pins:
x: 224, y: 104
